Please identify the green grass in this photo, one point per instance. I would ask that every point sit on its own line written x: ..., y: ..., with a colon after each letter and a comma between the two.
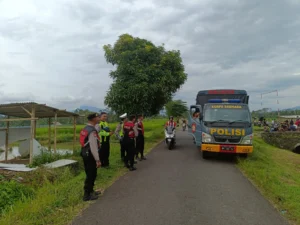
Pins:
x: 276, y: 173
x: 57, y: 196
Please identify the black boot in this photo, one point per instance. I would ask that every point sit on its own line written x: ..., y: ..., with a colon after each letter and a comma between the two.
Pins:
x: 96, y: 193
x: 132, y: 168
x: 89, y: 196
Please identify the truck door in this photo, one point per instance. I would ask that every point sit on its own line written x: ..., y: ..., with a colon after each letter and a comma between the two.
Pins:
x: 194, y: 124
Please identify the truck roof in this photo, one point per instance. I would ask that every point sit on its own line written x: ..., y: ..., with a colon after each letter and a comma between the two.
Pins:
x: 222, y: 91
x: 226, y: 103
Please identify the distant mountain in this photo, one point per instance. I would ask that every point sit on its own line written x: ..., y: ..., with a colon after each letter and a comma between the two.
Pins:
x: 292, y: 109
x: 90, y: 108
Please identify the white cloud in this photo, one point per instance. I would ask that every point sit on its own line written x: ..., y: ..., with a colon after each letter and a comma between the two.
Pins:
x: 51, y: 51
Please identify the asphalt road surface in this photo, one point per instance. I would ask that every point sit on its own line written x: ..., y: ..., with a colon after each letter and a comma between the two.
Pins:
x: 178, y: 187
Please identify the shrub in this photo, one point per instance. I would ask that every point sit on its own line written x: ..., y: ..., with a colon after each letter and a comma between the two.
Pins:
x: 11, y: 192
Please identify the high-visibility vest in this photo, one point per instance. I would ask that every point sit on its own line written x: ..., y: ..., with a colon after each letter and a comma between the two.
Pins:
x: 121, y: 133
x: 102, y: 132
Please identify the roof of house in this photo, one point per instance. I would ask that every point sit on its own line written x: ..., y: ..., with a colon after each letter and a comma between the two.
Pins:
x: 23, y: 110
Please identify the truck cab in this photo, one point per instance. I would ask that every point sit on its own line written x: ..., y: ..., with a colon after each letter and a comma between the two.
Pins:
x: 220, y: 122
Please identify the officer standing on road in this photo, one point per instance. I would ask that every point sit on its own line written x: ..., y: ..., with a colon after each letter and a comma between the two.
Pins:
x: 90, y: 144
x: 130, y: 132
x: 105, y: 134
x: 119, y: 134
x: 140, y: 140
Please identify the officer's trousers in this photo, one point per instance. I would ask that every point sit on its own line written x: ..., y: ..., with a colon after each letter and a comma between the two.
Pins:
x: 140, y: 144
x: 91, y: 173
x: 104, y: 153
x: 122, y: 149
x: 130, y: 151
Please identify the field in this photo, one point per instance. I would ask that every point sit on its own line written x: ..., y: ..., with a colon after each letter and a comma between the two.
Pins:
x: 55, y: 196
x: 275, y: 172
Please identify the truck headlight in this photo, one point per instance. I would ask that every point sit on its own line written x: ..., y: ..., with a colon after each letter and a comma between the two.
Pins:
x: 247, y: 140
x: 206, y: 138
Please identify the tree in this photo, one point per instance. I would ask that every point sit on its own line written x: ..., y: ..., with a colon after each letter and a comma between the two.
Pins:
x: 176, y: 108
x: 145, y: 78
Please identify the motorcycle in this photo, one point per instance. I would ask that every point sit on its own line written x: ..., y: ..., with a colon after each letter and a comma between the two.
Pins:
x: 170, y: 137
x: 183, y: 126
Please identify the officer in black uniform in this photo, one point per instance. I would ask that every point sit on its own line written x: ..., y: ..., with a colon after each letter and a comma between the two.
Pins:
x: 119, y: 134
x: 90, y: 144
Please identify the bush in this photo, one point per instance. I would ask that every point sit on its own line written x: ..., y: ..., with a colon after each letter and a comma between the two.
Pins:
x: 11, y: 192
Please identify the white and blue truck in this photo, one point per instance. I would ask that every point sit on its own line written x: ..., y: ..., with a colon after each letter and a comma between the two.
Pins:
x: 224, y: 123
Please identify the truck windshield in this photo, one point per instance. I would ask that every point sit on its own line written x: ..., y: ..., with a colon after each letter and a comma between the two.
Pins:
x: 227, y: 113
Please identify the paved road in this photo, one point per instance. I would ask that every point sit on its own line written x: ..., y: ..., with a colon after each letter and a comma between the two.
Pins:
x: 180, y: 188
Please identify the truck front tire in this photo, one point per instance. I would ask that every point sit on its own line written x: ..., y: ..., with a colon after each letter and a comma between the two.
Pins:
x: 205, y: 154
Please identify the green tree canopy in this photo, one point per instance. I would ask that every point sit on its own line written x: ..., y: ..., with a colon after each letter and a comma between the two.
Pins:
x: 176, y: 108
x: 145, y: 78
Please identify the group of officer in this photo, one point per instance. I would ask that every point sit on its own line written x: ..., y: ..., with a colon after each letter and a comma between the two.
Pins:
x: 95, y: 146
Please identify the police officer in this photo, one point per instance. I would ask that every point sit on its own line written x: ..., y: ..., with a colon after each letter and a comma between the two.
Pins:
x: 130, y: 132
x: 90, y: 143
x: 119, y: 134
x: 140, y: 140
x: 105, y: 134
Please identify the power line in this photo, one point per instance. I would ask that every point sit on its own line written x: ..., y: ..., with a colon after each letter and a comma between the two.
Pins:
x: 269, y: 92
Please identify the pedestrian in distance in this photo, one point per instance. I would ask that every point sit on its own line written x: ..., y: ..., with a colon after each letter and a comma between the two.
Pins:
x: 130, y: 133
x: 104, y: 134
x: 90, y: 144
x: 140, y: 140
x: 120, y: 135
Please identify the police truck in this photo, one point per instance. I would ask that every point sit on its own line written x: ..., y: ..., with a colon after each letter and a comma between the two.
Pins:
x: 223, y: 122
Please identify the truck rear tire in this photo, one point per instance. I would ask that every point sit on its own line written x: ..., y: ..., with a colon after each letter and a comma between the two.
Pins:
x: 243, y: 155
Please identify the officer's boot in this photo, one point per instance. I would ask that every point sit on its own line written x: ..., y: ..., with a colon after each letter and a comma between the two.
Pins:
x: 89, y: 196
x: 143, y: 157
x: 132, y: 168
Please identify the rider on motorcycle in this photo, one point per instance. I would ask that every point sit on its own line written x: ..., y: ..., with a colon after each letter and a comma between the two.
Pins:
x: 183, y: 124
x: 171, y: 123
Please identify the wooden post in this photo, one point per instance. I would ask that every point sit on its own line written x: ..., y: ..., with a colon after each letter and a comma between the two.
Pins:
x: 6, y: 140
x: 55, y: 122
x: 32, y: 131
x: 49, y: 134
x: 74, y: 132
x: 35, y: 122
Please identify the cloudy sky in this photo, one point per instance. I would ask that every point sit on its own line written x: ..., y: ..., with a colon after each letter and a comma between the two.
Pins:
x: 51, y: 50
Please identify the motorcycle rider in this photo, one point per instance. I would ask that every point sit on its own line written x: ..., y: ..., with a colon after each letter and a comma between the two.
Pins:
x: 171, y: 123
x: 183, y: 124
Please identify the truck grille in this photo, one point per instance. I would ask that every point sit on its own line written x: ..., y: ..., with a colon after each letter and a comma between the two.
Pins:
x: 227, y: 139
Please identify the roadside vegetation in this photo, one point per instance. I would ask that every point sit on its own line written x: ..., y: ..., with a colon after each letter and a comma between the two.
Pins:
x: 275, y: 172
x: 54, y: 196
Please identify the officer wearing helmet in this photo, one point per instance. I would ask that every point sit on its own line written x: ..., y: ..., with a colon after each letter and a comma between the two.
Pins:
x: 120, y: 135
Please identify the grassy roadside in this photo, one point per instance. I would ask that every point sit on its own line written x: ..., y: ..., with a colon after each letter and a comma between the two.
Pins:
x: 58, y: 193
x: 275, y: 172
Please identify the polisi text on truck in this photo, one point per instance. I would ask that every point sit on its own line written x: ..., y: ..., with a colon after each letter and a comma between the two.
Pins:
x: 228, y: 132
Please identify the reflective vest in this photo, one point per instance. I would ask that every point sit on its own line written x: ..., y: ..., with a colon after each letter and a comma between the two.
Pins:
x: 121, y: 133
x: 84, y: 136
x: 104, y: 131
